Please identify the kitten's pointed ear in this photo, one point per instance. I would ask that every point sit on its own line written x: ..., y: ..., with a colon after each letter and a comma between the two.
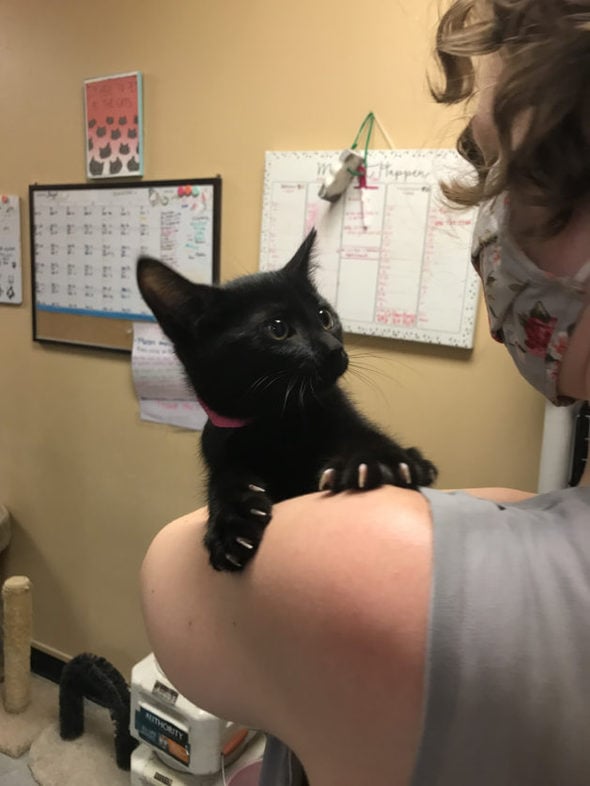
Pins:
x: 174, y: 300
x: 300, y: 264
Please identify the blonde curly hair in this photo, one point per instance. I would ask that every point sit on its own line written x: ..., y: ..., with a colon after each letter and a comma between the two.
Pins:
x: 544, y: 46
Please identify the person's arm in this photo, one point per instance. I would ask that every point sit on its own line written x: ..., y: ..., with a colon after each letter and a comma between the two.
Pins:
x: 500, y: 494
x: 320, y: 641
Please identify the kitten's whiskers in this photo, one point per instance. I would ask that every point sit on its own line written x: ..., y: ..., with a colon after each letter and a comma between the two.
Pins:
x: 290, y: 388
x: 302, y: 391
x: 260, y: 381
x: 369, y: 367
x: 313, y: 392
x: 264, y: 382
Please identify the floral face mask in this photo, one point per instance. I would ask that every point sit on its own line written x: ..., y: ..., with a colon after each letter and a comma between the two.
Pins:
x: 530, y: 311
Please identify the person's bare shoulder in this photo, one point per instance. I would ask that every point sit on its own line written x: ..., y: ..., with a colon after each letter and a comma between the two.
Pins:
x: 321, y: 640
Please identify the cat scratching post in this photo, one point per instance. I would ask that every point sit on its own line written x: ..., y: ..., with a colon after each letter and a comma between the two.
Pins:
x: 18, y: 632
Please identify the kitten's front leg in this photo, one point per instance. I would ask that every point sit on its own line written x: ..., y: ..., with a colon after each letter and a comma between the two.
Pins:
x: 239, y: 511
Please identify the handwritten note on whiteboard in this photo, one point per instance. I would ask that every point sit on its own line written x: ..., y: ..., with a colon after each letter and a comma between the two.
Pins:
x: 11, y: 277
x: 393, y: 258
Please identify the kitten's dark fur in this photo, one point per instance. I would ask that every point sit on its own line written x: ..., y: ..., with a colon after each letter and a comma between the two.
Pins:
x: 267, y: 348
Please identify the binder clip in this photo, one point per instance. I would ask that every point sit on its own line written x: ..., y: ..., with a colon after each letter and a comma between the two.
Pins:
x: 340, y: 175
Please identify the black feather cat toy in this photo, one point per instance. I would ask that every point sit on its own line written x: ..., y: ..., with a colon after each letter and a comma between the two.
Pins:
x: 264, y: 354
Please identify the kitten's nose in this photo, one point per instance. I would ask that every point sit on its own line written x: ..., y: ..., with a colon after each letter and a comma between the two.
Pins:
x: 332, y: 358
x: 337, y: 361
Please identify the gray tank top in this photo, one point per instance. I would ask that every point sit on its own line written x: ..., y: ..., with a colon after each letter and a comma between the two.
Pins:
x: 508, y: 664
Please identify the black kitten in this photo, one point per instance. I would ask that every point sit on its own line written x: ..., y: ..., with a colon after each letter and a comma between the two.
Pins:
x: 264, y: 353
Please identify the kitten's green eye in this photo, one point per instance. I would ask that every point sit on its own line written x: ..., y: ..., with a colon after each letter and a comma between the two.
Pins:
x: 278, y: 329
x: 326, y: 318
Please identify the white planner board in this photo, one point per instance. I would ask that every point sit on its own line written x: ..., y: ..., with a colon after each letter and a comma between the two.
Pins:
x: 393, y: 258
x: 11, y: 276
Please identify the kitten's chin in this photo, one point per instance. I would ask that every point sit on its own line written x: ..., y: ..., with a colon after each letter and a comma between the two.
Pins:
x: 326, y: 381
x: 323, y: 383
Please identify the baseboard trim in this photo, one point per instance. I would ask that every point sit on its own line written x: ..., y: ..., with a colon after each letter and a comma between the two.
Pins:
x: 45, y: 665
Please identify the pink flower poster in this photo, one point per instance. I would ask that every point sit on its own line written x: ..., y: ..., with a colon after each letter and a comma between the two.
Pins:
x: 113, y: 115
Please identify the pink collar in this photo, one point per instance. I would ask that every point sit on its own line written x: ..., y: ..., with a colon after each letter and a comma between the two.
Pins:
x: 221, y: 421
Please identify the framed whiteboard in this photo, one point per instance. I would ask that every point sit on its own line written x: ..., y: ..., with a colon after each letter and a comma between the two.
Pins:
x: 394, y: 260
x: 85, y: 241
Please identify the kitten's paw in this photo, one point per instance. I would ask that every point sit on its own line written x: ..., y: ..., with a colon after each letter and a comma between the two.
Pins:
x: 423, y: 471
x: 355, y: 473
x: 235, y: 530
x: 409, y: 470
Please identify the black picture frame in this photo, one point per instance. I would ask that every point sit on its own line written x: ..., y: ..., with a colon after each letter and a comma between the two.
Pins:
x: 65, y: 325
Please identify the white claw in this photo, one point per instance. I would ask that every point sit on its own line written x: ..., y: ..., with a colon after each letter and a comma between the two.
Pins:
x: 405, y: 472
x: 247, y: 544
x: 260, y: 513
x: 233, y: 560
x: 326, y: 479
x: 258, y: 489
x: 362, y: 478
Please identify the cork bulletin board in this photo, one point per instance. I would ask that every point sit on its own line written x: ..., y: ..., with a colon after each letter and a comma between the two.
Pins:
x: 85, y: 241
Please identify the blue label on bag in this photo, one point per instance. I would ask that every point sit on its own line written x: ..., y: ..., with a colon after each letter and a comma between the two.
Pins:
x: 162, y: 734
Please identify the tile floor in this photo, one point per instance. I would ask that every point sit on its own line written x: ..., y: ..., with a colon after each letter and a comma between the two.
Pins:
x: 15, y: 772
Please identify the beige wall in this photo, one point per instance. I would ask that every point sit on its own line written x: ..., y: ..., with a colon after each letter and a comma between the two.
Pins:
x: 88, y: 484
